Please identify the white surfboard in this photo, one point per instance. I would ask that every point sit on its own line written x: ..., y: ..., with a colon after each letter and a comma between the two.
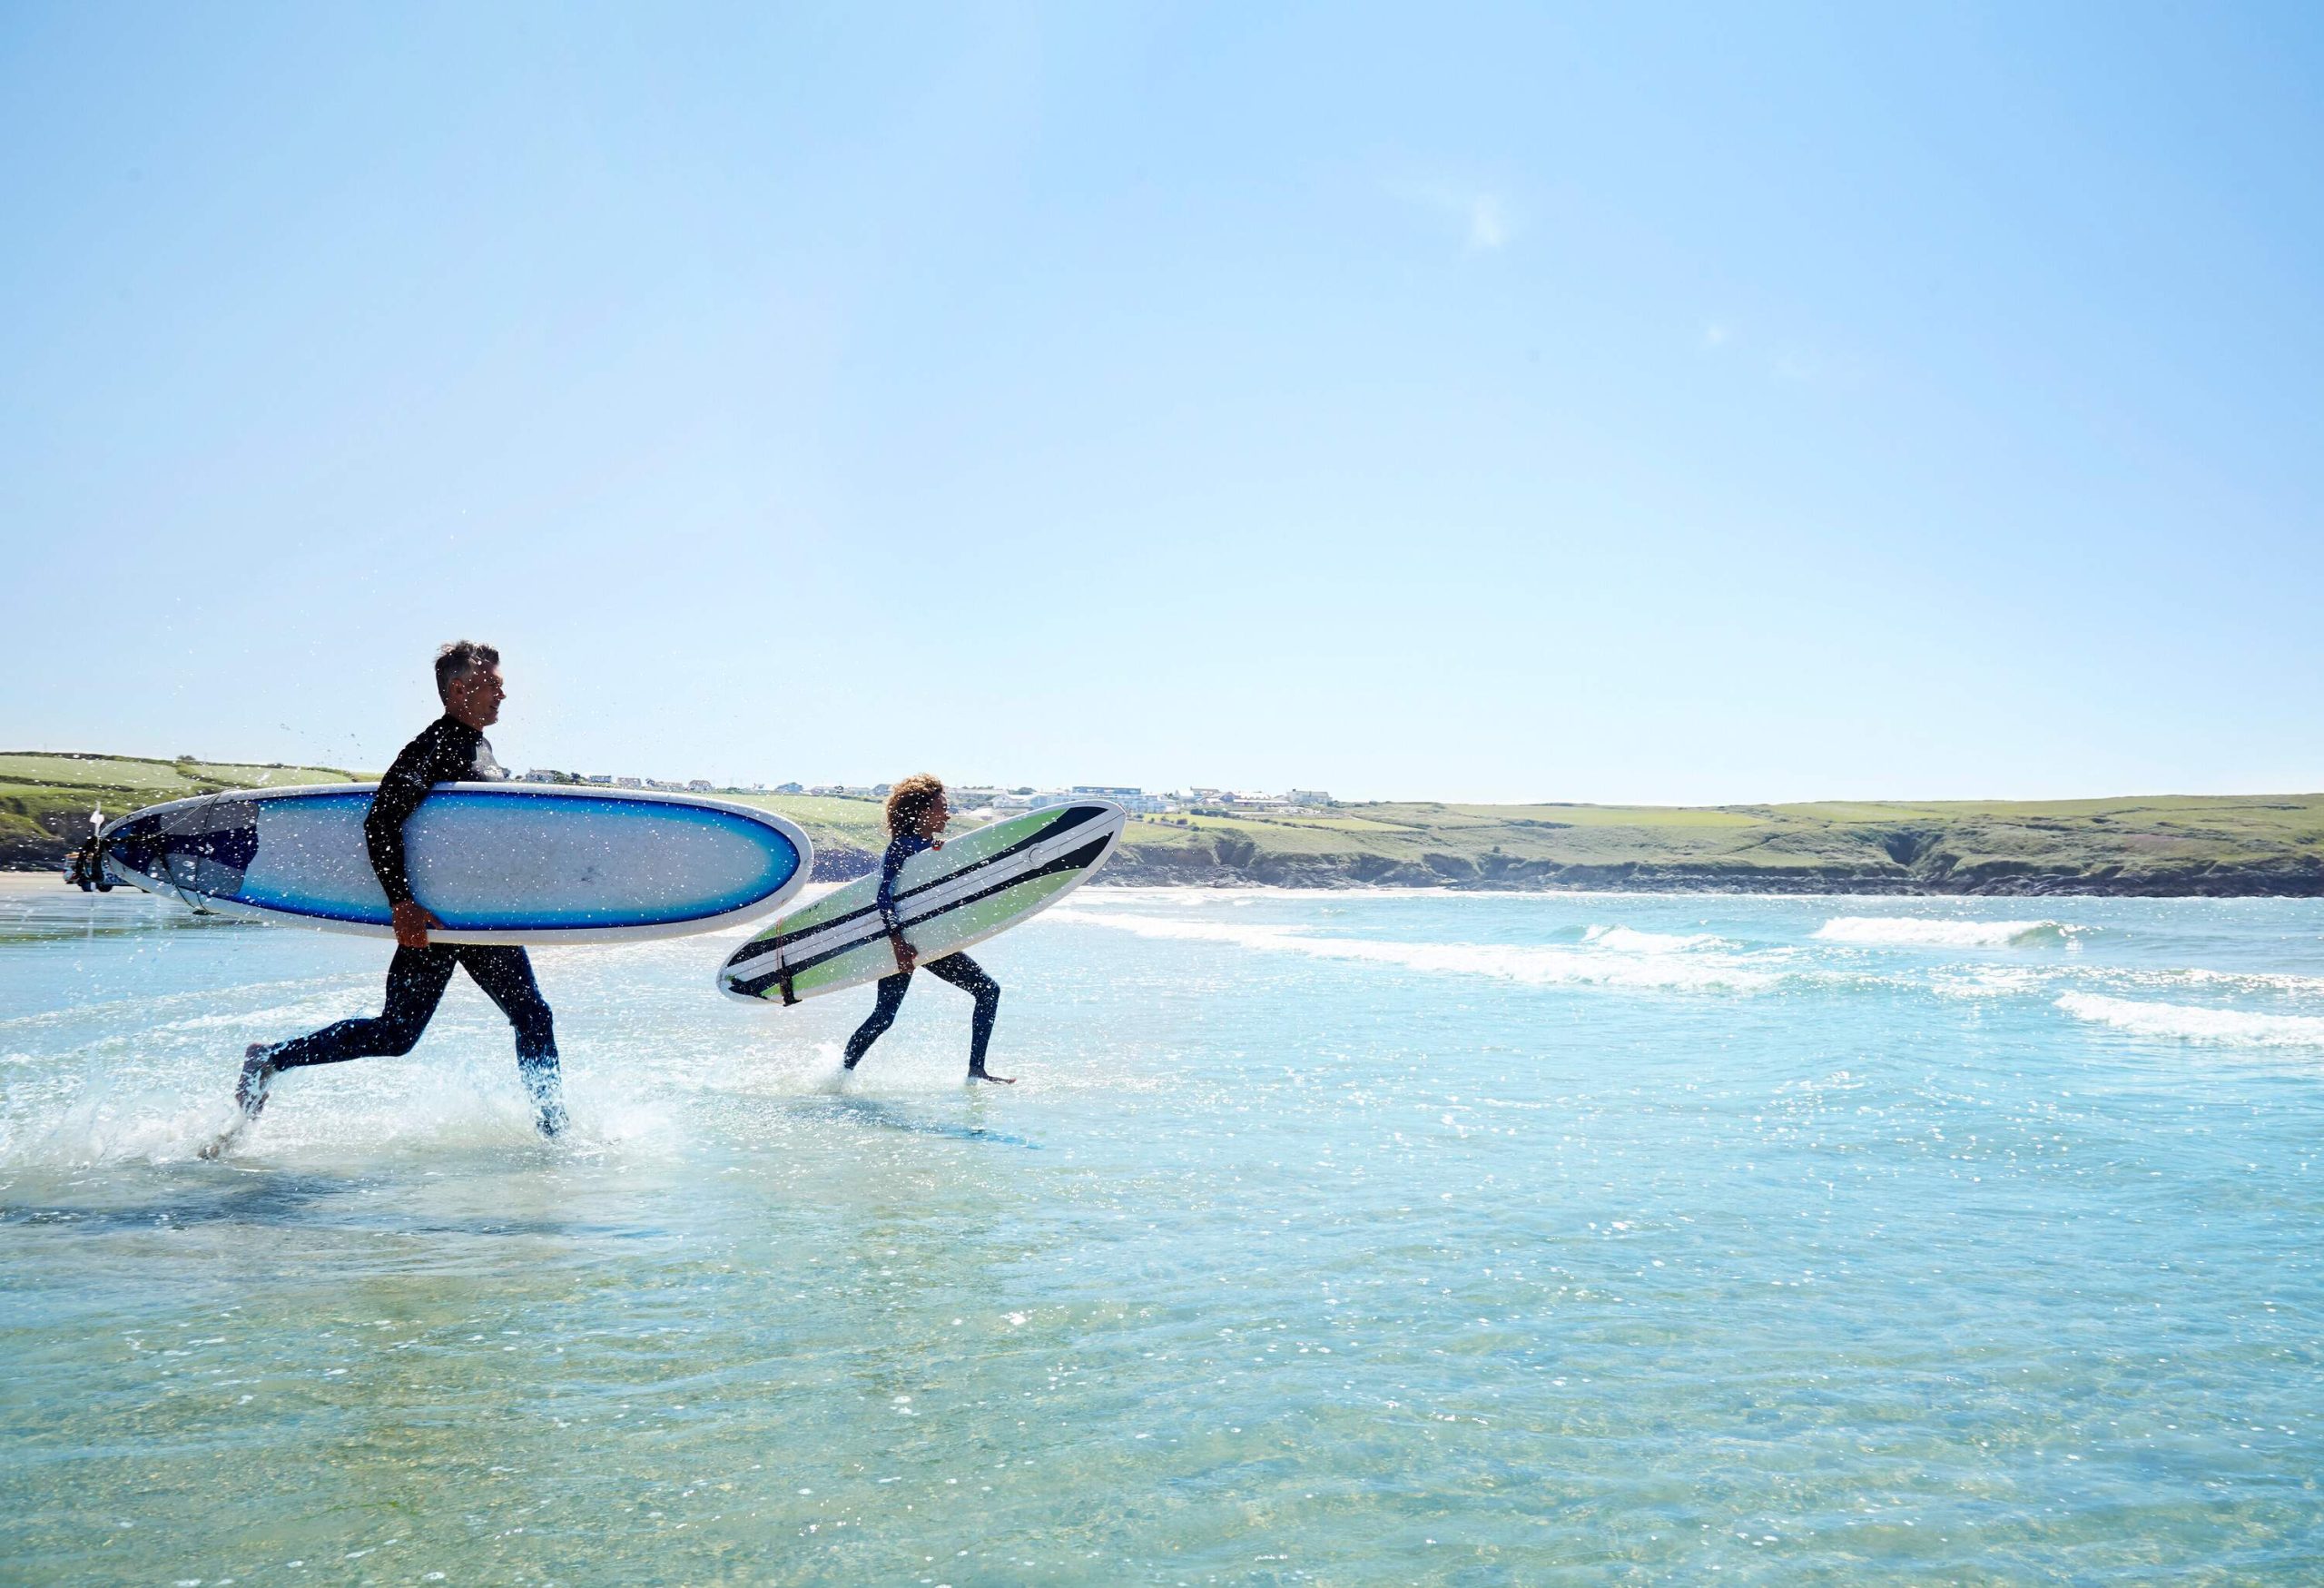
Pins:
x: 983, y: 882
x: 497, y: 862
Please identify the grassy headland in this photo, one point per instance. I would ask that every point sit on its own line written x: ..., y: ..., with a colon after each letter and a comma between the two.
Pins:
x: 2226, y: 844
x: 2183, y: 844
x: 46, y: 797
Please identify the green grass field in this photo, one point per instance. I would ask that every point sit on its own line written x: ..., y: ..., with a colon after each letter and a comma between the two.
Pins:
x: 2222, y: 844
x: 45, y: 798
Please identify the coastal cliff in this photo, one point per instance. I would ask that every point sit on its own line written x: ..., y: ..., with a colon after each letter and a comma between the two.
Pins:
x: 1192, y: 866
x: 2219, y: 846
x: 2187, y: 846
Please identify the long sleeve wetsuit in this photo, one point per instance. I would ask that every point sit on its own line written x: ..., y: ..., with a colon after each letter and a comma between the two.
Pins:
x: 960, y: 971
x: 444, y: 752
x: 900, y: 848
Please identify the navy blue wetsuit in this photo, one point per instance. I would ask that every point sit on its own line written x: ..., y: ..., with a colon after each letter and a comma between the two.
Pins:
x: 960, y: 971
x: 444, y: 752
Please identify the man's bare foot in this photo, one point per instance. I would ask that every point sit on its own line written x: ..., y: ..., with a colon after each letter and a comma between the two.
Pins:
x: 996, y: 1079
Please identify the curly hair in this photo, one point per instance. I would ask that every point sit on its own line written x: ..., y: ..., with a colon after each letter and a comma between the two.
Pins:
x: 908, y: 800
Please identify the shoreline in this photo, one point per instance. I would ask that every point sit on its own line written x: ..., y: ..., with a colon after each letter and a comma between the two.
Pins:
x: 1762, y: 886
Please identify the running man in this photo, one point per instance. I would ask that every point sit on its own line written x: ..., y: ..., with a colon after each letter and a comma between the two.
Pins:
x: 451, y: 749
x: 917, y: 813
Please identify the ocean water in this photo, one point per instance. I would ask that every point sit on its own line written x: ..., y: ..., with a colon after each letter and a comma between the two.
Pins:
x: 1337, y: 1238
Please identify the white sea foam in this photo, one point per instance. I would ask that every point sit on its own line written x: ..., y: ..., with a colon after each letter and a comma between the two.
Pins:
x: 1534, y: 965
x: 1908, y: 930
x: 1629, y: 940
x: 2196, y: 1024
x: 1991, y: 982
x: 2256, y: 980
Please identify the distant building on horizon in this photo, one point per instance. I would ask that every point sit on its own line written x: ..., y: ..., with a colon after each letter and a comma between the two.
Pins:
x: 1128, y: 799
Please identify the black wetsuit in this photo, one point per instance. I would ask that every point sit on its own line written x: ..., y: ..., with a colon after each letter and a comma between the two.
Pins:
x: 960, y: 971
x: 446, y: 752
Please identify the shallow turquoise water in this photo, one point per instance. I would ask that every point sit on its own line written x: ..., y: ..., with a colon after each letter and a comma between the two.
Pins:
x: 1337, y: 1238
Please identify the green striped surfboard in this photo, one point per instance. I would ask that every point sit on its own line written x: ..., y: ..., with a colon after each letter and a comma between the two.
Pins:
x: 979, y: 883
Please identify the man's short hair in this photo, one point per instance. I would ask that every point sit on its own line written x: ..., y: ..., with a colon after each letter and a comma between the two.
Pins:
x: 458, y: 660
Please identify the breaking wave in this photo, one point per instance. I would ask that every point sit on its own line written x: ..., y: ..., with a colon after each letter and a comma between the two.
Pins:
x: 1595, y: 964
x: 1629, y: 940
x: 2194, y: 1023
x: 1915, y: 931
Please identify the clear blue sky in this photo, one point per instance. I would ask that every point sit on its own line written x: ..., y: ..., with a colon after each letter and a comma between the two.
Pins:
x: 1614, y: 402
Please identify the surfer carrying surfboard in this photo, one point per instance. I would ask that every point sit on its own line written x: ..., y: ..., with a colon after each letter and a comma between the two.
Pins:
x: 917, y: 813
x: 451, y: 749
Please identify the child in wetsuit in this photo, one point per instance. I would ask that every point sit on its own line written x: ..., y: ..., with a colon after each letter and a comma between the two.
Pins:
x: 917, y: 813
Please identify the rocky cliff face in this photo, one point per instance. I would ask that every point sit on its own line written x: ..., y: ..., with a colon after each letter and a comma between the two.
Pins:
x: 39, y: 842
x: 1927, y: 869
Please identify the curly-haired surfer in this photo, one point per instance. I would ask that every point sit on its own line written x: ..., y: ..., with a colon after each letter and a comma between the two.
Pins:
x: 917, y: 813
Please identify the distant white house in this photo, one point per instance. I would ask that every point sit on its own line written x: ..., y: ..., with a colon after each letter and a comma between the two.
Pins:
x: 602, y: 779
x: 629, y: 783
x: 1306, y: 796
x: 699, y: 785
x: 1128, y: 799
x: 788, y: 788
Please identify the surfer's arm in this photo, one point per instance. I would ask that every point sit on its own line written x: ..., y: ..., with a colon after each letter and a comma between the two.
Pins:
x: 891, y: 866
x: 392, y: 807
x: 400, y: 794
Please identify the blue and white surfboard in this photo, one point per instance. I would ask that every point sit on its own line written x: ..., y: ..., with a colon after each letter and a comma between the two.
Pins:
x: 499, y: 863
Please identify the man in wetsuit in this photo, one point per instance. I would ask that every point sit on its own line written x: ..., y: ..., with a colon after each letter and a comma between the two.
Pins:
x: 917, y: 813
x: 451, y: 749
